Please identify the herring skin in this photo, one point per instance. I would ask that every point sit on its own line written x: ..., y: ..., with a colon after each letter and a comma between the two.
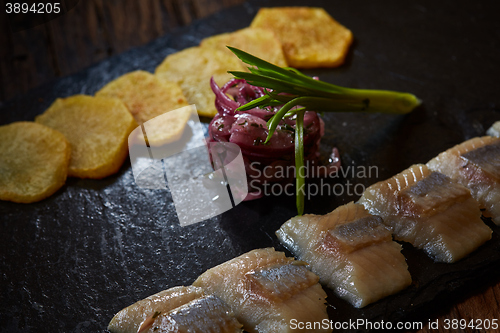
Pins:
x: 475, y: 164
x: 351, y: 251
x: 207, y: 314
x: 176, y: 310
x: 430, y: 211
x: 130, y: 318
x: 267, y: 290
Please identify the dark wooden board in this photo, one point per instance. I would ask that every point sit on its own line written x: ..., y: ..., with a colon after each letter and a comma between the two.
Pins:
x: 70, y: 262
x: 88, y: 32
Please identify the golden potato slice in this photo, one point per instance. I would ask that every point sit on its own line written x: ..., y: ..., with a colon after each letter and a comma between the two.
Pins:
x: 97, y: 129
x: 33, y: 161
x: 192, y: 69
x: 310, y: 37
x: 147, y: 97
x: 258, y: 42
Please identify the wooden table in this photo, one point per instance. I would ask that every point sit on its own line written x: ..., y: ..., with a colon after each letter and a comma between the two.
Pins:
x: 96, y: 29
x: 90, y: 32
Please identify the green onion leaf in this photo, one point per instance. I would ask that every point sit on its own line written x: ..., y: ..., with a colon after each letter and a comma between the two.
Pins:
x: 289, y: 88
x: 299, y: 162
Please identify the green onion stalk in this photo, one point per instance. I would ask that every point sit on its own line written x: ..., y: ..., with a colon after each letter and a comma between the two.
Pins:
x: 295, y: 92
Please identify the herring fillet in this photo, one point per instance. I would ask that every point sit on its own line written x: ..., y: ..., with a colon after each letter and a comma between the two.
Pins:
x: 129, y: 319
x: 430, y: 211
x: 475, y: 164
x: 207, y: 314
x: 351, y: 251
x: 266, y: 291
x: 176, y: 310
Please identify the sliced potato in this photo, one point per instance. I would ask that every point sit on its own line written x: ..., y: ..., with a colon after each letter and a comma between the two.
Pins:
x: 258, y: 42
x: 97, y: 129
x: 147, y: 97
x: 33, y: 161
x: 192, y: 69
x: 310, y: 36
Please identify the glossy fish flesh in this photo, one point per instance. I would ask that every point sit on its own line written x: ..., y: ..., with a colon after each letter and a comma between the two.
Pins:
x: 475, y: 164
x: 175, y: 310
x: 430, y: 211
x: 207, y: 314
x: 351, y: 251
x: 266, y: 291
x: 129, y: 319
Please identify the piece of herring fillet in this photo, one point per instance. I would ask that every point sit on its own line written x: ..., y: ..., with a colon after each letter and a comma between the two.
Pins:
x: 151, y: 312
x: 268, y: 292
x: 475, y: 164
x: 351, y: 251
x: 430, y: 211
x: 208, y: 314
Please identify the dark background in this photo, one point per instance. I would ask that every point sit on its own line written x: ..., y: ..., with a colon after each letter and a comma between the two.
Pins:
x: 70, y: 262
x: 92, y: 31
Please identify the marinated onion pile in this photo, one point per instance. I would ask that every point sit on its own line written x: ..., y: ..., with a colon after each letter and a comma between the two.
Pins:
x: 264, y: 161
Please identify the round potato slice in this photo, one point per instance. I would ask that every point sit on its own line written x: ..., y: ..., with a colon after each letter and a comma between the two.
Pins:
x: 259, y: 42
x: 34, y: 161
x: 192, y: 69
x: 97, y: 129
x: 148, y: 97
x: 310, y: 36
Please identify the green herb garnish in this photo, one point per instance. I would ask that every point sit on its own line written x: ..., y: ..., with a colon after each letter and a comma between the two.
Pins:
x: 300, y: 180
x: 290, y: 89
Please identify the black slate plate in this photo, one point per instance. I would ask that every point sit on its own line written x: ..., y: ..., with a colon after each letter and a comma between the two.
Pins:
x: 70, y: 262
